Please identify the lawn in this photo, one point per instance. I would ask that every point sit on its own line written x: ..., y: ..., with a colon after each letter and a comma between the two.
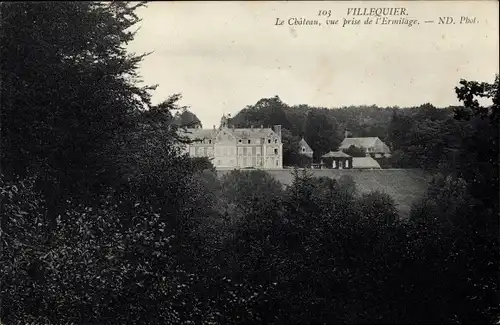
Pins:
x: 403, y: 185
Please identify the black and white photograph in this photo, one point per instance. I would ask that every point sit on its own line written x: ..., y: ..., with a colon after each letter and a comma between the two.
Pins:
x: 249, y: 162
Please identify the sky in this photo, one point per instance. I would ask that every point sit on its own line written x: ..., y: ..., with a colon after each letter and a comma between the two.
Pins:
x: 223, y: 56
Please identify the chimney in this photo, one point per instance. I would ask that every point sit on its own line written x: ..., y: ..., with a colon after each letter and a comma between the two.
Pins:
x: 277, y: 129
x: 262, y: 126
x: 214, y: 126
x: 251, y: 127
x: 346, y: 134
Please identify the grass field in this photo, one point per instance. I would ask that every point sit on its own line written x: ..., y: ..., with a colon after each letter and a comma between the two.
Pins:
x: 403, y: 185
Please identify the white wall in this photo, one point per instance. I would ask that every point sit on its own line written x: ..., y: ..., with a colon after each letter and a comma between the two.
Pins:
x: 230, y: 155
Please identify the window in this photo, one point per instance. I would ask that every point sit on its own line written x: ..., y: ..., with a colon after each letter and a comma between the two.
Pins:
x: 248, y: 141
x: 209, y: 141
x: 275, y: 140
x: 268, y: 140
x: 239, y: 141
x: 275, y: 151
x: 277, y: 162
x: 303, y: 149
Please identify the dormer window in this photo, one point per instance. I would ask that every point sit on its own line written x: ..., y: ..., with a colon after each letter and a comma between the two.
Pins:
x: 210, y: 141
x: 248, y: 141
x: 303, y: 149
x: 275, y: 140
x: 239, y: 141
x: 268, y: 140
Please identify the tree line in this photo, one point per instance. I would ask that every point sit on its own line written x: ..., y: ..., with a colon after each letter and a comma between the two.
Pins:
x: 421, y: 137
x: 104, y: 221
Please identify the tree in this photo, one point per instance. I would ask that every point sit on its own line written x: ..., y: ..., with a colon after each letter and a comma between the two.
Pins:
x: 355, y: 151
x: 99, y: 269
x: 347, y: 184
x: 108, y: 164
x: 202, y: 163
x: 321, y: 133
x: 126, y: 235
x: 67, y: 138
x: 251, y: 191
x: 187, y: 119
x: 469, y: 91
x: 461, y: 213
x: 291, y: 151
x: 378, y: 208
x: 266, y: 112
x: 425, y: 138
x: 479, y: 166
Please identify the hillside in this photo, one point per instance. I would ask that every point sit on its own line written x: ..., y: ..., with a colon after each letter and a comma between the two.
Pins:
x: 405, y: 186
x: 361, y: 120
x: 419, y: 137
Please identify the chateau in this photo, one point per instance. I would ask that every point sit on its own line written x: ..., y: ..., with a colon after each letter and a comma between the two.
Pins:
x: 232, y: 148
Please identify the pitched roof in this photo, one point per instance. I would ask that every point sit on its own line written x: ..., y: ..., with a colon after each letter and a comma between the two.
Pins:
x: 358, y: 142
x: 335, y: 154
x: 365, y: 162
x: 304, y: 144
x: 252, y: 133
x: 199, y: 133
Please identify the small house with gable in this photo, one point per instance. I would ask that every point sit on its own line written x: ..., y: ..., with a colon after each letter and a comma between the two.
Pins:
x: 305, y: 149
x: 336, y: 160
x: 373, y: 146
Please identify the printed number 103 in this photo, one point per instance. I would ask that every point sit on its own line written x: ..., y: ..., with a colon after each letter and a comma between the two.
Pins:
x: 326, y: 13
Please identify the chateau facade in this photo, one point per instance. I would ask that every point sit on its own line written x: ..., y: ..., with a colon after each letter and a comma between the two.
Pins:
x: 232, y: 148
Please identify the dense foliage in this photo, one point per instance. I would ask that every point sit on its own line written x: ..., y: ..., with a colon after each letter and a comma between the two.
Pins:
x: 354, y: 151
x: 104, y: 221
x: 420, y: 137
x: 187, y: 118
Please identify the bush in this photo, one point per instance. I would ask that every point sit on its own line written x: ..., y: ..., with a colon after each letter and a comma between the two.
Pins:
x: 377, y: 208
x: 354, y: 151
